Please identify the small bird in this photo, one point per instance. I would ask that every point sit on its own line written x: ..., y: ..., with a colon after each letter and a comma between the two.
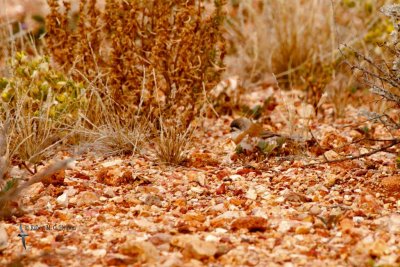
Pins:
x: 22, y: 235
x: 249, y: 136
x: 243, y: 127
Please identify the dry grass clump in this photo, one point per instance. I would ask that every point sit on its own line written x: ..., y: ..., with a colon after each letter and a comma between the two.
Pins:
x: 173, y: 144
x: 111, y: 134
x: 117, y: 137
x: 40, y: 105
x: 11, y: 188
x: 296, y: 40
x: 159, y: 57
x: 279, y: 36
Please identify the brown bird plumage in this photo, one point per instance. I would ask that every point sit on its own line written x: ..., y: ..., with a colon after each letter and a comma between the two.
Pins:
x: 242, y: 127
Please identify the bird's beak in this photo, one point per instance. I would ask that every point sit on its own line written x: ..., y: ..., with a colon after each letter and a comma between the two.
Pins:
x: 235, y: 129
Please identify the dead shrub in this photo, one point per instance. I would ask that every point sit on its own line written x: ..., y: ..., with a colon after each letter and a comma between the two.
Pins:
x: 381, y: 72
x: 174, y: 46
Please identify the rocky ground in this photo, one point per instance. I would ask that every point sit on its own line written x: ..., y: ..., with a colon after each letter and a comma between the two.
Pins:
x: 220, y: 209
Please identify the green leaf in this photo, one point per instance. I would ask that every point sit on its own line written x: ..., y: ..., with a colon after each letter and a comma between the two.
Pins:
x: 239, y: 149
x: 10, y: 184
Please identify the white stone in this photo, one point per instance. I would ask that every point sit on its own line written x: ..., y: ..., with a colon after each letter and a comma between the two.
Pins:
x: 201, y: 178
x: 197, y: 190
x: 220, y: 230
x: 62, y: 200
x: 358, y: 219
x: 212, y: 238
x: 98, y: 252
x: 3, y: 238
x: 251, y: 194
x: 231, y: 215
x: 112, y: 163
x: 235, y: 177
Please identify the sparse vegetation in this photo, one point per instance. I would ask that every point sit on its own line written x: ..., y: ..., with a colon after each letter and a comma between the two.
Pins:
x: 110, y: 134
x: 298, y: 42
x: 40, y: 104
x: 281, y: 38
x: 148, y: 97
x: 172, y: 144
x: 11, y: 188
x: 381, y: 72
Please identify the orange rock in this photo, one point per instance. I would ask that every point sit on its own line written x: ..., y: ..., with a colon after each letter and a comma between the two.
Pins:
x: 142, y: 251
x: 55, y: 179
x: 391, y: 183
x: 370, y: 203
x: 252, y: 223
x: 346, y: 225
x: 221, y: 189
x: 199, y: 249
x: 195, y: 217
x: 237, y: 201
x: 222, y: 174
x: 302, y: 230
x: 219, y: 222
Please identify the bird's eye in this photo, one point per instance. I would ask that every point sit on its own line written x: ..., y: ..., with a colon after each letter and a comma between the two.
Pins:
x: 234, y: 129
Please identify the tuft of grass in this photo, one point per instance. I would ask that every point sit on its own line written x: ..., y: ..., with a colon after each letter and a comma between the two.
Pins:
x: 295, y: 39
x: 279, y: 37
x: 4, y: 152
x: 339, y: 93
x: 41, y: 106
x: 111, y: 134
x: 11, y: 188
x: 173, y: 143
x: 116, y: 138
x: 297, y: 43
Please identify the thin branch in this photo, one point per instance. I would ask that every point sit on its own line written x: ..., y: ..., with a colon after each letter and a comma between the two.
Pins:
x: 316, y: 140
x: 394, y: 142
x: 385, y: 94
x: 23, y: 163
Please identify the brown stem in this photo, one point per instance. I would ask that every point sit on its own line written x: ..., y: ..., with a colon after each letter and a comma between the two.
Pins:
x: 394, y: 142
